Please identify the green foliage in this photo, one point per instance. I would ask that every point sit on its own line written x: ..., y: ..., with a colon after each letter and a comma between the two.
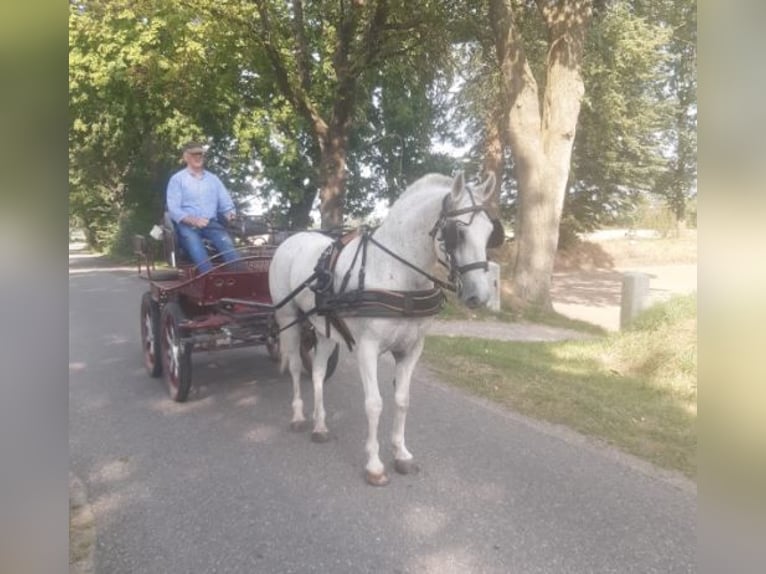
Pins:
x: 678, y: 183
x: 659, y: 218
x: 147, y: 75
x: 144, y: 77
x: 618, y: 147
x: 671, y: 313
x: 638, y: 121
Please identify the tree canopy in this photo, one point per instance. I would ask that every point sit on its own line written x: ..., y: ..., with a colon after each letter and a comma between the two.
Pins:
x: 340, y: 104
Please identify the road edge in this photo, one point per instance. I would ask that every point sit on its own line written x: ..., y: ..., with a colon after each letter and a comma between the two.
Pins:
x: 82, y: 529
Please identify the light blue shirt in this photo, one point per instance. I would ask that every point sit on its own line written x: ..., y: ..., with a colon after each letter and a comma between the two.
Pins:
x: 203, y: 196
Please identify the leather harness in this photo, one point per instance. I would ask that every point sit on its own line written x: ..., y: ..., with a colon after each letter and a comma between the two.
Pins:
x: 361, y: 302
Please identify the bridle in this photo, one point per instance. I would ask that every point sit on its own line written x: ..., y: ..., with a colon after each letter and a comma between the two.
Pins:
x: 447, y: 228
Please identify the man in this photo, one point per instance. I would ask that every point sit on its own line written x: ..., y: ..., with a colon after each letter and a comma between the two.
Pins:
x: 195, y: 200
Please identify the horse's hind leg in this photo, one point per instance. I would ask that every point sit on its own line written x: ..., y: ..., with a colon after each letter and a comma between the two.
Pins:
x: 367, y: 357
x: 324, y: 349
x: 405, y: 365
x: 289, y: 346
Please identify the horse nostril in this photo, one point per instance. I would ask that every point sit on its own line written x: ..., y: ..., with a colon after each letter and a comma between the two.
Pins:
x: 472, y: 301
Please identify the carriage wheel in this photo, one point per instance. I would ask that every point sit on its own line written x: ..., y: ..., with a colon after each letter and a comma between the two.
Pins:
x: 176, y: 355
x: 150, y: 334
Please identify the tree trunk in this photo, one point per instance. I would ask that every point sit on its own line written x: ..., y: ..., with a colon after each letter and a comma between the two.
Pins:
x: 541, y: 137
x: 333, y: 174
x: 299, y: 212
x: 493, y: 160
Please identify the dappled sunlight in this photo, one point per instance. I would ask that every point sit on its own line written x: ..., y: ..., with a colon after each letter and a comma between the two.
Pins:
x: 261, y: 434
x: 250, y: 401
x: 94, y: 404
x: 424, y: 521
x: 595, y: 288
x: 489, y: 492
x: 119, y: 469
x: 115, y: 477
x: 108, y: 503
x: 572, y: 360
x: 168, y: 407
x: 590, y: 386
x: 448, y: 560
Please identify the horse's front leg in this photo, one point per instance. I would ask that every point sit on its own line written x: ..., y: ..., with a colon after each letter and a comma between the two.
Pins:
x: 367, y: 357
x: 405, y: 365
x: 324, y: 349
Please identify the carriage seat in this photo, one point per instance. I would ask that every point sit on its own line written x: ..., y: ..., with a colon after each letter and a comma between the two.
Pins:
x: 175, y: 255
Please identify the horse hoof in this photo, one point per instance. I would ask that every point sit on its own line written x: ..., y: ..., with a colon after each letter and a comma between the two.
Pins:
x: 377, y: 479
x: 298, y: 426
x: 320, y: 437
x: 406, y: 467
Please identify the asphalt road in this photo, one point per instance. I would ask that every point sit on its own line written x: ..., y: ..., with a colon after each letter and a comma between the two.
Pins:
x: 220, y: 484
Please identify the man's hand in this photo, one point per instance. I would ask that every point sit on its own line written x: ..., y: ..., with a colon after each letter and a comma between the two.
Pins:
x: 193, y: 221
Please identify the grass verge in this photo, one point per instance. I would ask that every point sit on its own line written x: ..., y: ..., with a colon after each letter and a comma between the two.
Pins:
x: 453, y: 311
x: 636, y: 389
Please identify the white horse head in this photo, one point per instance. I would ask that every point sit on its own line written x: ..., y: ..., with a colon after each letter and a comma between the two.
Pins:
x: 465, y: 230
x: 438, y: 218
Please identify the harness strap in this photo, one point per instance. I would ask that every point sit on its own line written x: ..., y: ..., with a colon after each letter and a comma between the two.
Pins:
x: 297, y: 290
x: 363, y: 247
x: 436, y: 280
x: 386, y: 303
x: 484, y: 265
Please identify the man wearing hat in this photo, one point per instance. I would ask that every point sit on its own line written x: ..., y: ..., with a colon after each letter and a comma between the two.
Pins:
x: 195, y: 200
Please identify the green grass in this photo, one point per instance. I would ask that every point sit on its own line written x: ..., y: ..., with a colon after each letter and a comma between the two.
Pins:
x: 454, y: 311
x: 636, y: 389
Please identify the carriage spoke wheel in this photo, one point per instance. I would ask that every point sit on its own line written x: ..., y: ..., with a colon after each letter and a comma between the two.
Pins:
x: 150, y: 334
x: 176, y: 355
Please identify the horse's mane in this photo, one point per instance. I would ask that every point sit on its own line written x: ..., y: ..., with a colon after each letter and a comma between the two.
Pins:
x: 431, y: 185
x: 426, y: 182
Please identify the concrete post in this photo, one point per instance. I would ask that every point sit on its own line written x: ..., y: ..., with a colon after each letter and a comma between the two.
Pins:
x: 494, y: 286
x: 635, y: 295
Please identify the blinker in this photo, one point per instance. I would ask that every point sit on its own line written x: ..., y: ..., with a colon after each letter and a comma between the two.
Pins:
x: 450, y: 235
x: 497, y: 237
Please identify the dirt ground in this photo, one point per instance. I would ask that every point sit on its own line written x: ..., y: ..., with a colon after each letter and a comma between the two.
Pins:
x: 587, y: 282
x: 594, y: 295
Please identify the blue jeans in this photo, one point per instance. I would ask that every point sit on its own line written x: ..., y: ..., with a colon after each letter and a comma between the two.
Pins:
x: 191, y: 240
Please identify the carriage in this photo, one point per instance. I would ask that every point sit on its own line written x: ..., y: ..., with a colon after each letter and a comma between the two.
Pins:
x: 228, y: 307
x: 371, y: 291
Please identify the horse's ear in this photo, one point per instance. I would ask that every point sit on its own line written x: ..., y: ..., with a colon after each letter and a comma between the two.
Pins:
x: 458, y: 186
x: 488, y: 186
